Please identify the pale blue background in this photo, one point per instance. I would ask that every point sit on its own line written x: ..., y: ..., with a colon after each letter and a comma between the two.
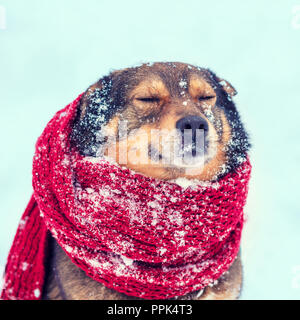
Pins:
x: 51, y: 50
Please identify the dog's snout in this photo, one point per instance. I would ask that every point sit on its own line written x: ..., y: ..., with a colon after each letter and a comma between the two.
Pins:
x: 192, y: 144
x: 192, y: 122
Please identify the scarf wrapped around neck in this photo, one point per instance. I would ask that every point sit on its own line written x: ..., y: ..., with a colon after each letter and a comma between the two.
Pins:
x: 141, y: 236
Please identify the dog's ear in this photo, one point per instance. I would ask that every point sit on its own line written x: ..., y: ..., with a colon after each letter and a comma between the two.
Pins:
x: 95, y: 110
x: 96, y: 97
x: 227, y: 87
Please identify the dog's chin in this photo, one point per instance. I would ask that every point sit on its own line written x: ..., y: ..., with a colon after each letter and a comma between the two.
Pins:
x: 189, y: 168
x: 185, y: 159
x: 193, y: 167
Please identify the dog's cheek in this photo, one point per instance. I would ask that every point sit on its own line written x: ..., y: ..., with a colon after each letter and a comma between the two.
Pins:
x: 226, y: 131
x: 111, y: 128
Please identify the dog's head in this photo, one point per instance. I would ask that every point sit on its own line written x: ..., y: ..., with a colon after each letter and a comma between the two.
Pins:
x: 164, y: 120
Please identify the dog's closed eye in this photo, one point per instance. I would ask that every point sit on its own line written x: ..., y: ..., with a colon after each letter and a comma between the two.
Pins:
x: 205, y: 98
x: 149, y: 99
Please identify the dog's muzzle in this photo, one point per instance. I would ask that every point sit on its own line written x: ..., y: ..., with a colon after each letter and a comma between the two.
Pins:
x: 194, y: 130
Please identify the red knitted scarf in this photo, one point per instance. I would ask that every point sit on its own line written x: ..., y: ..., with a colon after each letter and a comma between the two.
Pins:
x: 141, y: 236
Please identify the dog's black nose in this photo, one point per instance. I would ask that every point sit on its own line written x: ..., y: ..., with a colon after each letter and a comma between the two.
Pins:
x: 192, y: 144
x: 192, y: 122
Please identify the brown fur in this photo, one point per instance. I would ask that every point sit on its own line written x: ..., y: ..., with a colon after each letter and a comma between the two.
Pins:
x: 161, y: 81
x: 170, y: 102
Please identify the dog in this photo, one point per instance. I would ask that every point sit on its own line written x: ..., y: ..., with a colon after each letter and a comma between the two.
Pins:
x: 163, y: 96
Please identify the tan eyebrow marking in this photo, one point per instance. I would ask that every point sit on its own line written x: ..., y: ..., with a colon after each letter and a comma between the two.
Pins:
x: 199, y: 87
x: 150, y: 88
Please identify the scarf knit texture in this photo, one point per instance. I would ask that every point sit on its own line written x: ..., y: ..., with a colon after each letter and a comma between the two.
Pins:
x: 141, y: 236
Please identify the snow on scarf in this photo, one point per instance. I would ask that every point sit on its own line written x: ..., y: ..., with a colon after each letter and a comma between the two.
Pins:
x: 138, y: 235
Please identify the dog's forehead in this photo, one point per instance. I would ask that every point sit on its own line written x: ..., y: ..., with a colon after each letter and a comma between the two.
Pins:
x: 173, y: 70
x: 169, y: 75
